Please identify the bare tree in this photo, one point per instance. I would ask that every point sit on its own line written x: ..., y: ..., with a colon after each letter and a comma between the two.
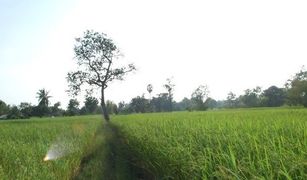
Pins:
x: 95, y: 54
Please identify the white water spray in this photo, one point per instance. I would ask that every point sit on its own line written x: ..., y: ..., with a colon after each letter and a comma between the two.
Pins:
x: 60, y: 149
x: 56, y: 151
x: 65, y: 144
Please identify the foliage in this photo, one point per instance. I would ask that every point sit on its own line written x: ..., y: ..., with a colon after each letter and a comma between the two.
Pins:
x: 112, y: 107
x: 251, y: 97
x: 297, y: 89
x: 43, y: 97
x: 95, y: 54
x: 42, y: 108
x: 26, y: 109
x: 184, y: 104
x: 90, y: 104
x: 123, y: 108
x: 14, y: 113
x: 231, y: 100
x: 56, y: 110
x: 169, y: 86
x: 73, y: 107
x: 23, y: 111
x: 40, y: 111
x: 160, y: 103
x: 139, y: 104
x: 199, y: 96
x: 274, y: 96
x: 210, y: 103
x: 4, y: 109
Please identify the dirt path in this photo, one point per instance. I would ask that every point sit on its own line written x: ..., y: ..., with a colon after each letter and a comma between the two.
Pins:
x: 108, y: 158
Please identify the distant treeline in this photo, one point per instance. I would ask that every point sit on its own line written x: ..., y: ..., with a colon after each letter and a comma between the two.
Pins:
x: 294, y: 93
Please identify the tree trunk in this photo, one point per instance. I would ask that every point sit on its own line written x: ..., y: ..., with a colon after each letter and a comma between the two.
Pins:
x: 170, y: 102
x: 105, y: 113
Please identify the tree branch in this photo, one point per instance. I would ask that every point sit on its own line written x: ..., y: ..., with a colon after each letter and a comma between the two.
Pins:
x: 94, y: 69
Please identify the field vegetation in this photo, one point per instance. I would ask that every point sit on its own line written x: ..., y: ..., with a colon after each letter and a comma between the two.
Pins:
x: 229, y: 144
x: 266, y: 143
x: 25, y: 143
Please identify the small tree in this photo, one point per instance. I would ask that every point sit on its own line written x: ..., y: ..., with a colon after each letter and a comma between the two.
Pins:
x: 252, y: 98
x: 91, y: 104
x: 297, y: 88
x: 4, y: 109
x: 139, y: 104
x: 73, y: 107
x: 199, y: 96
x: 160, y: 103
x: 184, y: 104
x: 42, y: 108
x: 169, y: 86
x: 111, y: 107
x: 96, y: 54
x: 43, y: 97
x: 231, y: 100
x: 26, y: 109
x: 56, y: 110
x: 123, y: 108
x: 274, y: 96
x: 210, y: 103
x: 14, y: 113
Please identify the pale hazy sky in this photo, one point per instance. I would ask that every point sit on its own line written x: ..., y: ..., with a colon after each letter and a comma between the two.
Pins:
x: 228, y: 45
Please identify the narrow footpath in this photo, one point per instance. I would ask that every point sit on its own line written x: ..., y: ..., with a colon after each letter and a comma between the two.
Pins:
x: 108, y: 158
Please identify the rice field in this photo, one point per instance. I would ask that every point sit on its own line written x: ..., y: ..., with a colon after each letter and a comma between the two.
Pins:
x: 229, y: 144
x: 224, y: 144
x: 25, y: 143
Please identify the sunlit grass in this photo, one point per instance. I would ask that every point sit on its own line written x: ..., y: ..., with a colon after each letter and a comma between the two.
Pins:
x: 25, y: 143
x: 247, y: 144
x: 228, y: 144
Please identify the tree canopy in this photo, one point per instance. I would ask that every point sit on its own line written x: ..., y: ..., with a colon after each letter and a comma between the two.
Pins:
x: 199, y: 96
x: 95, y: 54
x: 43, y: 97
x: 297, y: 89
x: 274, y: 96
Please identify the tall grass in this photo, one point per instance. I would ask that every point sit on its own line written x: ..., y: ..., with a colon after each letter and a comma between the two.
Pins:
x: 24, y: 143
x: 230, y: 144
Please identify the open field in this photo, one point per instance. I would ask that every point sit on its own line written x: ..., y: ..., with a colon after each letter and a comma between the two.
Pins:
x: 230, y: 144
x: 24, y: 144
x: 224, y: 144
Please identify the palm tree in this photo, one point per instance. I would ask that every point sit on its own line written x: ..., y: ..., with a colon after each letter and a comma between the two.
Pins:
x: 43, y: 98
